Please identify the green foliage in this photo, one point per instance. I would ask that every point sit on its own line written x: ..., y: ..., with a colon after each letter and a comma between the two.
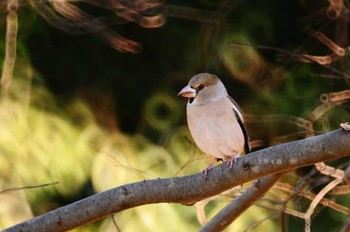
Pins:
x: 55, y: 122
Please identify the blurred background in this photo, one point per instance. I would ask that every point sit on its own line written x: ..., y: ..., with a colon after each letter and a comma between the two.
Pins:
x: 88, y: 100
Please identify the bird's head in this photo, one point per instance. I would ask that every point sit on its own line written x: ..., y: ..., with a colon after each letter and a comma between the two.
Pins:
x: 203, y: 88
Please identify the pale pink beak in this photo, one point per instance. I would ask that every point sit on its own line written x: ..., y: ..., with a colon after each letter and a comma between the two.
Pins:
x: 188, y: 92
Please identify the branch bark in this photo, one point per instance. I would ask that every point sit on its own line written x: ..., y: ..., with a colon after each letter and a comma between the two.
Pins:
x: 228, y: 214
x: 189, y: 189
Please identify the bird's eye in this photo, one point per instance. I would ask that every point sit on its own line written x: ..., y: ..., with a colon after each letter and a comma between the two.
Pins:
x: 200, y: 87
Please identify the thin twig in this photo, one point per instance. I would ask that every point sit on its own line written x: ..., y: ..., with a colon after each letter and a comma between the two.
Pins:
x: 10, y: 190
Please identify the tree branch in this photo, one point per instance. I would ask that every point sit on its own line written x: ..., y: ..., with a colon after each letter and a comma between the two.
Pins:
x: 190, y: 189
x: 228, y: 214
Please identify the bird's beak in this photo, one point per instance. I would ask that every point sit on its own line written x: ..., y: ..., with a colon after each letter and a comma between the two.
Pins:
x: 188, y: 92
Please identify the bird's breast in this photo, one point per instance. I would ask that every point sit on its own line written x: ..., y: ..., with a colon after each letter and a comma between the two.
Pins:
x: 215, y: 129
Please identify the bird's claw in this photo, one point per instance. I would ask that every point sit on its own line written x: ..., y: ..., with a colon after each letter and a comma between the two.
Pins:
x: 206, y: 171
x: 232, y: 160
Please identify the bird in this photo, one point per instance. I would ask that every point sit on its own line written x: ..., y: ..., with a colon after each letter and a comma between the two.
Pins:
x: 214, y: 120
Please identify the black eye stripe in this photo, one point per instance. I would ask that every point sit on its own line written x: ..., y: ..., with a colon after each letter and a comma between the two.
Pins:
x: 200, y: 87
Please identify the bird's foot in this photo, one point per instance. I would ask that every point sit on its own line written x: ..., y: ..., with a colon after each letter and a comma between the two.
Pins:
x: 205, y: 171
x: 211, y: 165
x: 232, y: 160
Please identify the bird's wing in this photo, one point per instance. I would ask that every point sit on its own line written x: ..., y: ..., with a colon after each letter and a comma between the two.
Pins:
x: 241, y: 124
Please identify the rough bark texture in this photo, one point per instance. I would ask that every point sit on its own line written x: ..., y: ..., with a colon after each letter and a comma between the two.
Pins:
x: 227, y: 215
x: 190, y: 189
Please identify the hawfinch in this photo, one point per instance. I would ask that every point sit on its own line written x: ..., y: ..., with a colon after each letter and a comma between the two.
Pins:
x: 214, y: 119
